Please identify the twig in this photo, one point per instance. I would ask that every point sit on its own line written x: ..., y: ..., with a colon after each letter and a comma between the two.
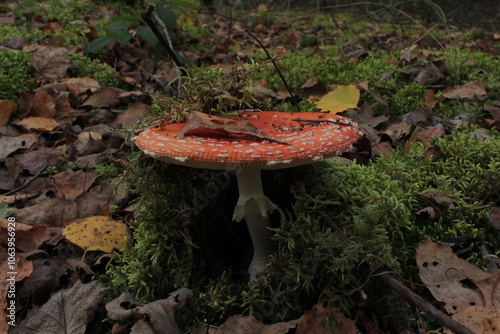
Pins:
x: 424, y: 305
x: 149, y: 20
x: 320, y: 121
x: 25, y: 184
x: 277, y: 69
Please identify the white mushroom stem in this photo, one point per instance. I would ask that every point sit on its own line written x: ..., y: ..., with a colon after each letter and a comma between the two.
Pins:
x: 254, y: 207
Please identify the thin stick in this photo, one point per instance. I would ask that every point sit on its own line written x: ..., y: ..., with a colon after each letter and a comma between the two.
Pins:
x: 277, y: 69
x: 424, y: 305
x: 320, y: 121
x: 149, y: 20
x: 27, y: 182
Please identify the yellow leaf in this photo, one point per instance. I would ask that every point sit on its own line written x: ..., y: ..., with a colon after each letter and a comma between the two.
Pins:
x: 98, y: 233
x: 341, y: 99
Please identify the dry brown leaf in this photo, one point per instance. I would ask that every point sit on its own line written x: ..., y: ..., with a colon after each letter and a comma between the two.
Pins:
x: 454, y: 281
x: 199, y: 121
x: 468, y: 91
x: 50, y: 62
x: 70, y: 184
x: 495, y: 218
x: 133, y: 114
x: 311, y: 82
x: 22, y: 269
x: 55, y: 212
x: 40, y: 124
x: 103, y: 98
x: 319, y: 320
x: 79, y: 86
x: 239, y: 324
x: 33, y: 161
x: 43, y: 104
x: 28, y: 237
x: 6, y: 109
x: 10, y: 145
x: 429, y: 75
x: 479, y: 319
x: 160, y: 313
x: 88, y: 143
x: 67, y: 311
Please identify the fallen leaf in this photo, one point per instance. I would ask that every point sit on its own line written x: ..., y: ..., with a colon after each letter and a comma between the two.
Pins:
x: 80, y: 85
x: 70, y: 184
x: 98, y: 233
x: 88, y: 143
x: 6, y: 109
x: 340, y: 99
x: 160, y: 313
x: 103, y: 98
x: 10, y: 145
x: 54, y: 212
x: 429, y: 75
x: 468, y: 91
x: 239, y: 324
x: 43, y: 104
x: 50, y: 62
x: 22, y: 269
x: 33, y: 161
x: 495, y: 218
x: 320, y: 320
x: 479, y: 319
x: 67, y: 311
x: 28, y: 237
x: 40, y: 124
x: 198, y: 120
x: 311, y: 82
x: 134, y: 113
x: 454, y: 281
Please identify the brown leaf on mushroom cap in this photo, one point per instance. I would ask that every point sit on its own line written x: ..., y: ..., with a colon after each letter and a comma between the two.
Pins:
x: 199, y: 120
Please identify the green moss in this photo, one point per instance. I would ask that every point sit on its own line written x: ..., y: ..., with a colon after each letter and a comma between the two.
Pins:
x: 14, y: 74
x: 350, y: 222
x: 93, y: 68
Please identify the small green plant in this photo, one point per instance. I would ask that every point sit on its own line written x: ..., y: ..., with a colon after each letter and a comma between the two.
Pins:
x: 169, y: 12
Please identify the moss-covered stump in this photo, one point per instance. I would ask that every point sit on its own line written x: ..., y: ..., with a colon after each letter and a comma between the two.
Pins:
x: 339, y: 224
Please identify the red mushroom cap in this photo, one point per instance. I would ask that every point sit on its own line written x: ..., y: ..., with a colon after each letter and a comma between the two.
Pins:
x: 300, y: 138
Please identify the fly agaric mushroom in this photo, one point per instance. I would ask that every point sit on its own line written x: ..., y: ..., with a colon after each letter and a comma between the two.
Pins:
x: 281, y: 140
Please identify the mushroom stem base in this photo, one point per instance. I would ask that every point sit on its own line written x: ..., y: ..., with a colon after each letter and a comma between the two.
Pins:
x: 254, y: 207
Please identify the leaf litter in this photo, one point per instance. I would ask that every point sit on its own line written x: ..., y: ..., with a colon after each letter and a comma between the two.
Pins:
x: 46, y: 135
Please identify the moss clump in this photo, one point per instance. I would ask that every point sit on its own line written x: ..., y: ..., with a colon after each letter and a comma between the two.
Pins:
x: 14, y: 74
x: 101, y: 72
x: 350, y: 222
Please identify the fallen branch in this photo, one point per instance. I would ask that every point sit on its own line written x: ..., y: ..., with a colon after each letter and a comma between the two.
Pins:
x: 424, y: 305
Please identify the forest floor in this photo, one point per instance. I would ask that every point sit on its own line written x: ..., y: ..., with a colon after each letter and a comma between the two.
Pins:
x: 76, y: 79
